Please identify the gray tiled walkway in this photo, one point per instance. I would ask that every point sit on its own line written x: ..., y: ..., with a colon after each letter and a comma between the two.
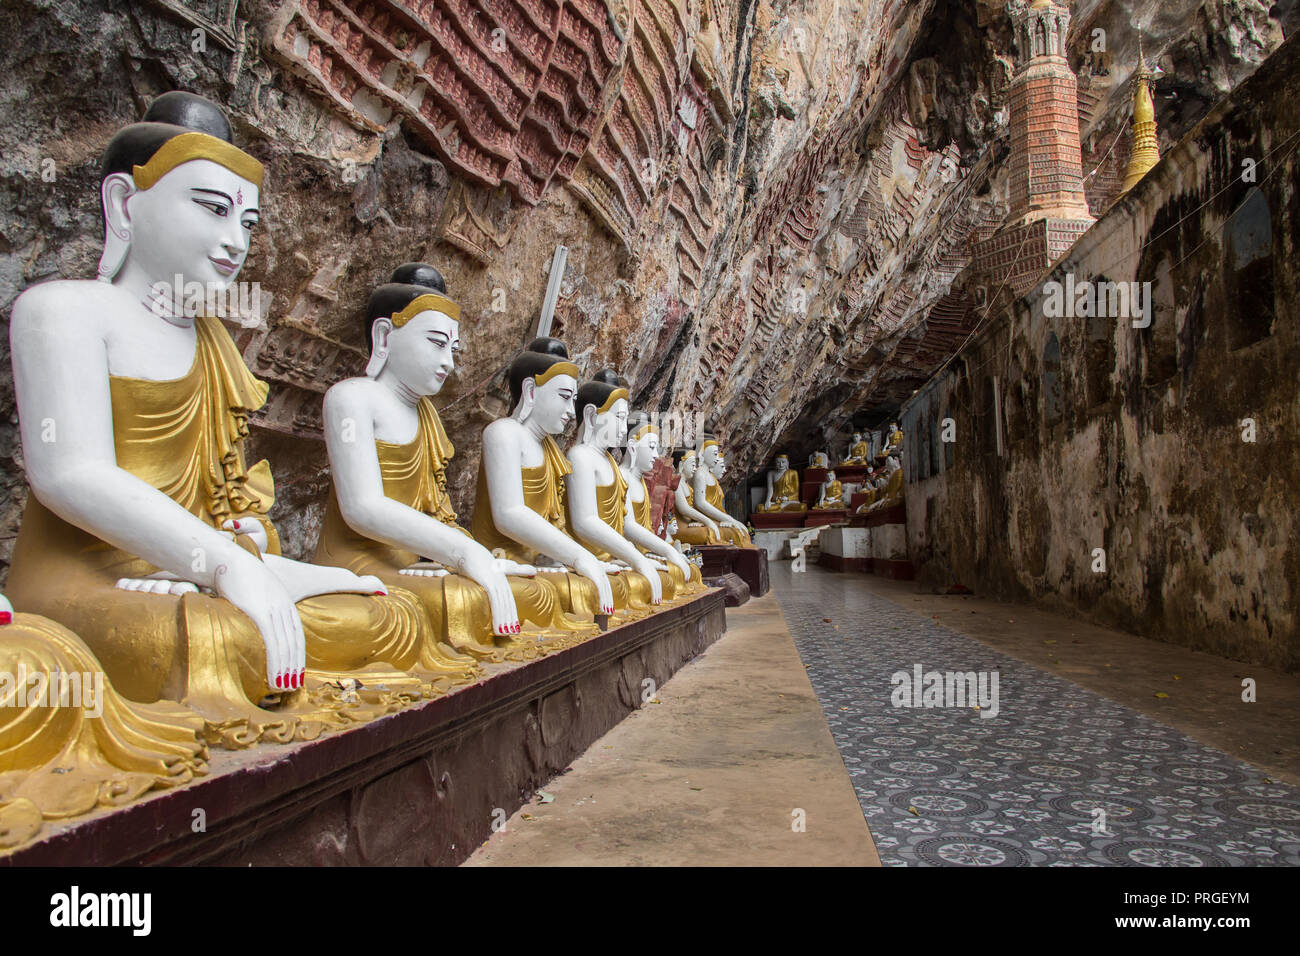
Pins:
x: 944, y: 786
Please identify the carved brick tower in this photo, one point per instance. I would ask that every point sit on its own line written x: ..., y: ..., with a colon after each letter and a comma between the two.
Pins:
x: 1049, y: 210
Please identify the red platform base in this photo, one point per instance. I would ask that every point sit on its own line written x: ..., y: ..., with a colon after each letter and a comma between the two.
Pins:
x: 817, y: 519
x: 419, y: 787
x: 777, y: 520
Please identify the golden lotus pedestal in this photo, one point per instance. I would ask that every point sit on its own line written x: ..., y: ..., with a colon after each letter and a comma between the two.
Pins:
x: 422, y: 786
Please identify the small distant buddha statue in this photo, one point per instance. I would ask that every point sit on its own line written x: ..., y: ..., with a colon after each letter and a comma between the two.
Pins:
x: 859, y: 451
x: 782, y: 488
x: 894, y: 441
x: 388, y: 504
x: 146, y: 533
x: 831, y: 494
x: 640, y: 456
x: 695, y: 527
x: 819, y: 459
x: 597, y: 490
x: 708, y: 495
x: 889, y: 487
x: 71, y: 743
x: 519, y: 509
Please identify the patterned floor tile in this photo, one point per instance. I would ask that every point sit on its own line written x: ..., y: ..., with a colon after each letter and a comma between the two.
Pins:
x: 943, y: 786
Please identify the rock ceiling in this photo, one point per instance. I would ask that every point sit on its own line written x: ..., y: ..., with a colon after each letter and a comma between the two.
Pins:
x: 767, y: 205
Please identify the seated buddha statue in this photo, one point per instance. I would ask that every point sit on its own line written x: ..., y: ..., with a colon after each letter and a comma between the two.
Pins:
x: 708, y: 495
x: 639, y: 457
x: 519, y: 509
x: 388, y: 505
x: 831, y: 494
x: 145, y: 532
x: 597, y: 490
x: 782, y: 488
x: 819, y: 459
x: 70, y: 742
x: 893, y: 441
x: 889, y: 485
x: 694, y: 527
x: 859, y: 451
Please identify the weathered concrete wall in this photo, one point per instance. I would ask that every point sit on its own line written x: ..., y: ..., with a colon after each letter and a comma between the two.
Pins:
x: 1136, y: 440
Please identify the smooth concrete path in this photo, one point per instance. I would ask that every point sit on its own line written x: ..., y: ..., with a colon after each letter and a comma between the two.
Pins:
x: 731, y: 764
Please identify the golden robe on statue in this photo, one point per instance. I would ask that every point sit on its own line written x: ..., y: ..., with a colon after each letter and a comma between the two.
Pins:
x: 611, y: 505
x: 185, y: 438
x: 415, y: 475
x: 692, y: 533
x: 735, y: 536
x: 69, y: 743
x: 785, y: 493
x: 681, y: 584
x: 858, y: 454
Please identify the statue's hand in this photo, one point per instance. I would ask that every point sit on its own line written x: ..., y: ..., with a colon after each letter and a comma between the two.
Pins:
x: 647, y: 570
x: 479, y: 566
x: 712, y: 525
x: 252, y: 587
x: 506, y: 566
x: 594, y: 571
x: 251, y: 527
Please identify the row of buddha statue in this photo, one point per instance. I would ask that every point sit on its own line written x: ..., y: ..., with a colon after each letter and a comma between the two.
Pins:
x: 146, y: 552
x: 882, y: 485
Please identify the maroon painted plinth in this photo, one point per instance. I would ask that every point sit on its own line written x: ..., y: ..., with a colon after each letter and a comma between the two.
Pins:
x: 884, y: 567
x: 853, y: 474
x: 718, y: 559
x: 894, y: 514
x: 817, y: 519
x: 751, y: 564
x: 839, y: 563
x: 777, y: 520
x: 419, y: 787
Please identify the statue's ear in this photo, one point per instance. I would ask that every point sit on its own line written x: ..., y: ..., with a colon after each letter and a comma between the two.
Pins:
x: 114, y: 192
x: 527, y: 399
x: 588, y: 421
x: 379, y: 332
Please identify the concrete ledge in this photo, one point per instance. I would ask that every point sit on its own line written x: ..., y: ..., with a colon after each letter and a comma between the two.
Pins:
x: 419, y: 787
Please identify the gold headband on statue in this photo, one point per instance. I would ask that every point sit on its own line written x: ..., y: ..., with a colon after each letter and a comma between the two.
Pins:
x: 193, y: 145
x: 614, y: 396
x: 429, y: 302
x: 707, y: 444
x: 559, y: 368
x: 689, y: 453
x: 645, y: 430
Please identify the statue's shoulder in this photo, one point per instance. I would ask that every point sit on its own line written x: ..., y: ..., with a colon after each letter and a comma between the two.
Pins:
x: 503, y: 430
x: 74, y: 304
x: 353, y: 393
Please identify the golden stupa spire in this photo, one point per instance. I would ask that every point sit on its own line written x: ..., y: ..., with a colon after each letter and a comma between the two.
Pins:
x: 1146, y: 147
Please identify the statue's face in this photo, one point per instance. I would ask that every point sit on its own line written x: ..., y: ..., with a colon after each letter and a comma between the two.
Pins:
x: 196, y: 222
x: 830, y: 476
x: 422, y: 352
x: 553, y: 404
x: 709, y: 456
x: 645, y: 451
x: 611, y: 426
x: 688, y: 467
x: 782, y: 464
x: 857, y: 436
x: 718, y: 466
x: 672, y: 525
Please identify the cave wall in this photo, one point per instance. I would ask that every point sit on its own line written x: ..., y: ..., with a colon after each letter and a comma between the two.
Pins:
x: 1137, y: 440
x: 738, y: 183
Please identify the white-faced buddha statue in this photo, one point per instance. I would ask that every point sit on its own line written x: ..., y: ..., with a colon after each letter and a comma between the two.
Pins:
x: 389, y: 513
x: 831, y: 493
x: 694, y: 526
x: 783, y: 492
x: 859, y: 451
x: 708, y: 496
x: 145, y: 532
x: 641, y: 453
x: 520, y: 512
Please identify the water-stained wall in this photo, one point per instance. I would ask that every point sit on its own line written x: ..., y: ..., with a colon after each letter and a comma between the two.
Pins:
x: 1141, y: 476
